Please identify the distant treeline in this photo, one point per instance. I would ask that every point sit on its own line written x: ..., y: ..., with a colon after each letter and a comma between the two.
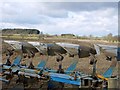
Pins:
x: 36, y: 34
x: 20, y: 31
x: 110, y: 37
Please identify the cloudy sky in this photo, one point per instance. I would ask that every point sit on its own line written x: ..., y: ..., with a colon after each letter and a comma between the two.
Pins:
x: 80, y: 18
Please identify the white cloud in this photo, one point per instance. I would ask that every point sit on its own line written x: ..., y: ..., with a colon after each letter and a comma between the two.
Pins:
x: 86, y: 23
x: 64, y: 19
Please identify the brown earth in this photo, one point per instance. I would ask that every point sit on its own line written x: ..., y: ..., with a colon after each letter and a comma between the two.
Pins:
x: 83, y: 63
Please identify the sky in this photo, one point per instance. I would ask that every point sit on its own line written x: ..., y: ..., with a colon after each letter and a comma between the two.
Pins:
x: 79, y: 18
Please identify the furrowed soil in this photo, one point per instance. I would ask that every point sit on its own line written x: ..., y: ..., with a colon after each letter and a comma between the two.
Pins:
x: 83, y: 63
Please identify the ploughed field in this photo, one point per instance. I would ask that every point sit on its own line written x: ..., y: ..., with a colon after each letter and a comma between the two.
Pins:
x: 83, y: 63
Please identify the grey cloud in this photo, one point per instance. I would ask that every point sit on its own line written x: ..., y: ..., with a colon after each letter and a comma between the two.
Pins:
x: 53, y: 9
x: 53, y: 17
x: 21, y: 19
x: 81, y: 6
x: 54, y: 13
x: 60, y: 9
